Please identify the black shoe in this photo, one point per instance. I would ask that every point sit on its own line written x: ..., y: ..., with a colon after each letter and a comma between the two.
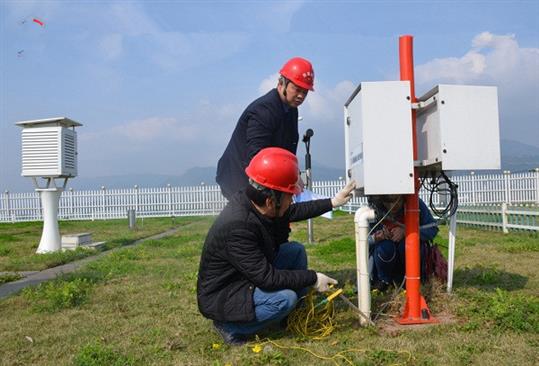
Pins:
x: 380, y: 285
x: 230, y: 338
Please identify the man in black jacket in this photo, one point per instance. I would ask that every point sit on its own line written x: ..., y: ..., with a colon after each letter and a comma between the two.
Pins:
x: 247, y: 277
x: 271, y: 120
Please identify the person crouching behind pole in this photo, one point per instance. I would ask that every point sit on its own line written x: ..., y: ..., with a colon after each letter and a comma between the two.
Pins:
x: 248, y: 278
x: 387, y: 242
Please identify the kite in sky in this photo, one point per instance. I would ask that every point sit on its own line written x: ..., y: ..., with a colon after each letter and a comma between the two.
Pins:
x: 35, y: 20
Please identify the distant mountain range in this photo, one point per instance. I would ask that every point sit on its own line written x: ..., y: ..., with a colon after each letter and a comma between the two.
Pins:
x: 191, y: 177
x: 516, y: 157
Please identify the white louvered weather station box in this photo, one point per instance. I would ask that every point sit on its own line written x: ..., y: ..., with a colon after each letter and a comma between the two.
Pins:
x: 49, y: 148
x: 49, y: 151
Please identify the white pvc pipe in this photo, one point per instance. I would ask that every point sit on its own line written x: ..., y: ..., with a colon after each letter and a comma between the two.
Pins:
x: 50, y: 239
x: 361, y: 220
x: 451, y: 251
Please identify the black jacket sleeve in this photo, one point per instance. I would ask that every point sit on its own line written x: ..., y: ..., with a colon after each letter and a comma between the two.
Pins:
x: 306, y: 210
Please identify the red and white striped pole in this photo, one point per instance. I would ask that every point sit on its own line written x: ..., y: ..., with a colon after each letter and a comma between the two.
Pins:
x: 416, y: 310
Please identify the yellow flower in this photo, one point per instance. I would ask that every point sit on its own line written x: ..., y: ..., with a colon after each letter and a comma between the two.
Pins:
x: 257, y: 348
x: 216, y: 346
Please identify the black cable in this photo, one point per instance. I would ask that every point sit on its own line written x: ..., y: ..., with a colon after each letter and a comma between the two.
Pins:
x: 439, y: 185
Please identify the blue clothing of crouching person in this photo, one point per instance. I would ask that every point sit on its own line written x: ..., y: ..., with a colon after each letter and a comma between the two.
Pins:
x: 387, y: 242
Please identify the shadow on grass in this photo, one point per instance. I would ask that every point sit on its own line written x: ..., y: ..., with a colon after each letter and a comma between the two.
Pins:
x: 488, y: 278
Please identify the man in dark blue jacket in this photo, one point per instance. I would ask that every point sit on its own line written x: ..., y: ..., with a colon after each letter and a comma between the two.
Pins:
x: 271, y: 120
x: 387, y: 242
x: 248, y: 277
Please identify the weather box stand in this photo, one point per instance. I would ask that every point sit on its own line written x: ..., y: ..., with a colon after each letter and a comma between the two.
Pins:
x: 49, y: 151
x: 395, y: 142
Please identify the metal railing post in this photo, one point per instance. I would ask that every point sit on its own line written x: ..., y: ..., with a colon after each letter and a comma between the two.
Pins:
x: 506, y: 183
x: 536, y: 170
x: 92, y: 204
x: 169, y: 197
x: 136, y: 197
x: 203, y: 190
x: 504, y: 218
x: 7, y: 199
x: 71, y: 203
x: 472, y: 183
x: 103, y: 202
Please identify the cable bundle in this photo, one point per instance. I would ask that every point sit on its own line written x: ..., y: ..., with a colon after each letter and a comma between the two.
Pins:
x: 312, y: 320
x: 442, y: 185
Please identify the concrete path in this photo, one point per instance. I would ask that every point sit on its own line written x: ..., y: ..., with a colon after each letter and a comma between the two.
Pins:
x: 35, y: 278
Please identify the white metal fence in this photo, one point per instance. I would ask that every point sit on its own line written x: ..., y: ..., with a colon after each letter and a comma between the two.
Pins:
x: 480, y: 201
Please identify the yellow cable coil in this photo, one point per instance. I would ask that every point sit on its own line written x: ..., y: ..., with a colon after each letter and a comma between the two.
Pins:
x: 312, y: 320
x: 316, y: 321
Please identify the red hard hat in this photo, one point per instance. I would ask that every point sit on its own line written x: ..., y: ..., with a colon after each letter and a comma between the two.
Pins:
x: 275, y: 168
x: 299, y: 71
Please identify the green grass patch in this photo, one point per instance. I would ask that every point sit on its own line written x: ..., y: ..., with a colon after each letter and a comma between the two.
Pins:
x: 48, y: 260
x: 19, y: 241
x: 118, y: 264
x: 57, y: 295
x: 336, y: 252
x: 520, y: 244
x: 4, y: 250
x: 502, y: 311
x: 345, y: 245
x: 384, y: 357
x: 97, y: 354
x: 9, y: 277
x: 7, y: 238
x: 489, y: 277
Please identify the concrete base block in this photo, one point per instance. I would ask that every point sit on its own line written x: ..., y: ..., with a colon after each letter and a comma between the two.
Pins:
x: 80, y: 240
x: 76, y: 239
x: 96, y: 245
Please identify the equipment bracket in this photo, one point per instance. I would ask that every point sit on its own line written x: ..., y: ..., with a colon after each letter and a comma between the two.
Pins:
x: 425, y: 103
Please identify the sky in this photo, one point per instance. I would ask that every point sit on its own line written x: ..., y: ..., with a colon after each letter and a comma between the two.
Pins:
x: 159, y: 85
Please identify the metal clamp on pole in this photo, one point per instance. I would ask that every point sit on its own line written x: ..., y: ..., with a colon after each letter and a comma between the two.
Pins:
x: 424, y: 103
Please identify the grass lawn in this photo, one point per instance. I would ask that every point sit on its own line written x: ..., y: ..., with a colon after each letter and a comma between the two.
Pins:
x: 137, y: 306
x: 19, y: 241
